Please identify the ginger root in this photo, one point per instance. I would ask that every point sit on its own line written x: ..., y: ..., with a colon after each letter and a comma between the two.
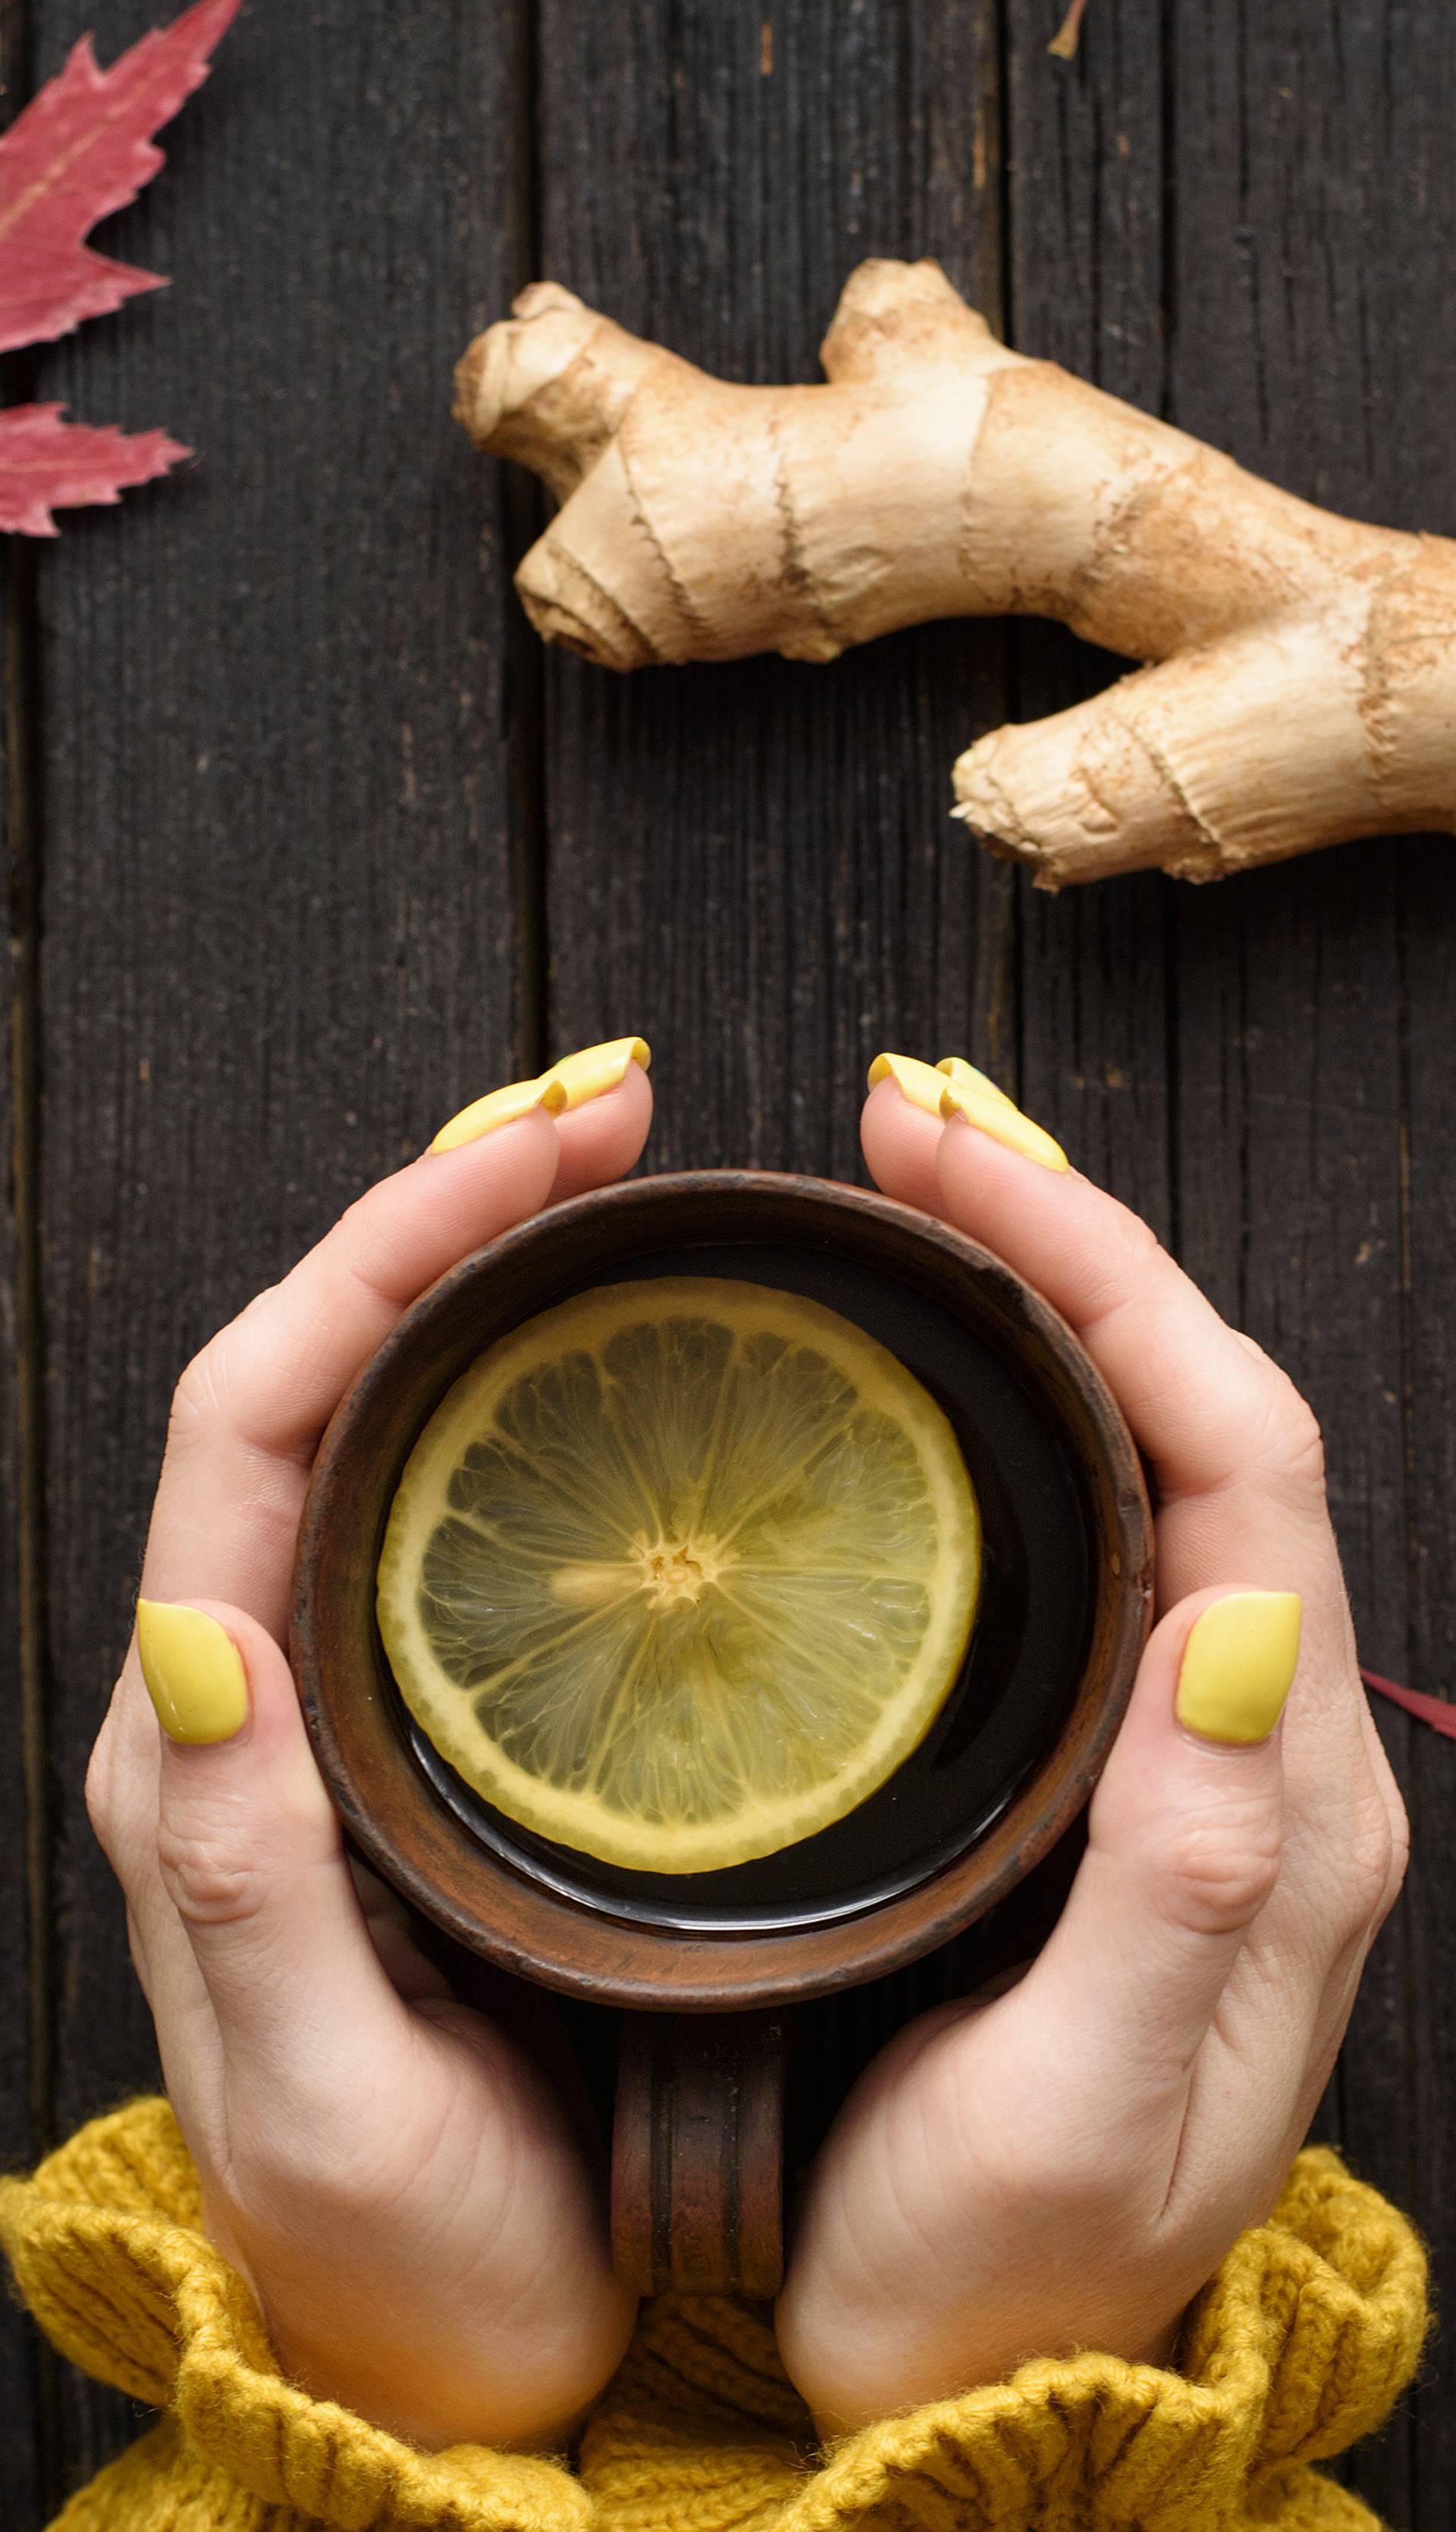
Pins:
x: 1299, y: 684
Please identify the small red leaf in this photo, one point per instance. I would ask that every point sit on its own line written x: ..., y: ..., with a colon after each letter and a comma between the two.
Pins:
x: 80, y: 150
x: 1437, y: 1712
x: 46, y: 463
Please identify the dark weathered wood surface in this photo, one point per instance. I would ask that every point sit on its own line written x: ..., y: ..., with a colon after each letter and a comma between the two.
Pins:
x: 308, y: 841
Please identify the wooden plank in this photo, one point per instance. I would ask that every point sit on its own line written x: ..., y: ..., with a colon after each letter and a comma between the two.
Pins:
x: 275, y: 788
x: 1309, y: 243
x: 27, y: 2369
x: 1421, y: 2112
x: 26, y: 2375
x: 1407, y: 217
x: 754, y: 865
x: 1084, y: 145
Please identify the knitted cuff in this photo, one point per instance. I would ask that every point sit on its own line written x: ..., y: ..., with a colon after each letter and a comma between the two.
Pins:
x: 108, y: 2251
x: 1307, y: 2335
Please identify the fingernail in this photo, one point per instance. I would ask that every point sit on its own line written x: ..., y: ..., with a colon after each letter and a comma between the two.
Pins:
x: 595, y: 1070
x: 500, y: 1107
x: 194, y: 1672
x: 965, y: 1077
x: 917, y: 1082
x: 1238, y: 1665
x: 992, y: 1113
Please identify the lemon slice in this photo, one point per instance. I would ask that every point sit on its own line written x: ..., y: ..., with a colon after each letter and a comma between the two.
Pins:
x: 680, y: 1572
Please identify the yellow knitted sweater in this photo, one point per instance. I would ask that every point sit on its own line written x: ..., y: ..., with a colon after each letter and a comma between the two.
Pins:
x: 1309, y: 2330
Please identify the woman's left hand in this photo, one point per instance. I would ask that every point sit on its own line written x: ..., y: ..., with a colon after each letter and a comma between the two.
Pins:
x: 1066, y: 2165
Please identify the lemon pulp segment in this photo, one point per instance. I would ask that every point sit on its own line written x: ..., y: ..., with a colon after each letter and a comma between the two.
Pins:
x: 680, y: 1572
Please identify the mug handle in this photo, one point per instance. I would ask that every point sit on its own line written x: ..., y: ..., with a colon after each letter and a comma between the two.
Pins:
x: 697, y: 2162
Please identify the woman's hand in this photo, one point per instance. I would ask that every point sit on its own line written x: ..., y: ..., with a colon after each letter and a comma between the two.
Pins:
x: 389, y: 2170
x: 1066, y: 2165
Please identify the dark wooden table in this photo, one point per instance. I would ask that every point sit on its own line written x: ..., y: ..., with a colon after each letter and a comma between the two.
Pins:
x: 308, y: 841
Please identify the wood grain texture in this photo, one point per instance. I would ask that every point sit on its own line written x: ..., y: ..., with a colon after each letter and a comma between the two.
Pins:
x: 278, y: 937
x: 754, y: 866
x: 1314, y: 206
x: 1398, y: 169
x: 28, y: 2370
x: 1085, y: 222
x: 27, y: 2376
x: 317, y: 830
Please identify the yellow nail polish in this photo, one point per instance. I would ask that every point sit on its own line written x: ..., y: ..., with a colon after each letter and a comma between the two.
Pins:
x: 1003, y: 1122
x: 917, y: 1082
x: 595, y: 1070
x: 966, y: 1076
x: 194, y: 1672
x: 499, y: 1108
x: 1238, y: 1665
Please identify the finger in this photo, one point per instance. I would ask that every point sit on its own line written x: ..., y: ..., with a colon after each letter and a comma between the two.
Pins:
x: 901, y: 1127
x: 602, y: 1136
x: 1204, y: 1407
x: 250, y: 1409
x: 1182, y: 1855
x: 394, y: 1930
x: 251, y: 1864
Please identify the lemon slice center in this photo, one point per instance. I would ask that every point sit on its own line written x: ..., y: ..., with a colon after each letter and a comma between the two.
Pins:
x: 674, y: 1573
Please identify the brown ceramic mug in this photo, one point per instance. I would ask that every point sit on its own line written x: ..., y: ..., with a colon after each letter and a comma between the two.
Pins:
x: 1002, y: 1774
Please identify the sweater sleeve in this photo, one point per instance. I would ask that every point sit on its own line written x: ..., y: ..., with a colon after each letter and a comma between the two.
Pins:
x: 108, y: 2249
x: 1308, y: 2333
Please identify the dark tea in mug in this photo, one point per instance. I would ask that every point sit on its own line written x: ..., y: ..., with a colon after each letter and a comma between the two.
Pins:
x: 1012, y: 1748
x: 1008, y: 1700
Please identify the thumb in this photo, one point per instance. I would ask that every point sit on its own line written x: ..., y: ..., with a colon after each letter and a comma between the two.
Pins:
x: 250, y: 1848
x: 1183, y: 1847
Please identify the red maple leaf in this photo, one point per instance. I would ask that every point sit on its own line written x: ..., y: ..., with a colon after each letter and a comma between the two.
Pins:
x: 46, y: 463
x: 80, y: 150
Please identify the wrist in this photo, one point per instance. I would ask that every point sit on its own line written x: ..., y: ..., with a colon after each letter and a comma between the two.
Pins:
x: 432, y: 2364
x: 437, y: 2389
x: 853, y: 2367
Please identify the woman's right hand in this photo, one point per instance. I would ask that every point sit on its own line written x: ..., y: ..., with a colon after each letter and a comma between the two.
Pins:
x: 389, y: 2170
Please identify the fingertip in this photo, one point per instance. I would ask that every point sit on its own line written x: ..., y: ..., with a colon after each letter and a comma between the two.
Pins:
x: 465, y: 1192
x: 991, y: 1114
x: 498, y: 1109
x: 1237, y: 1667
x: 515, y: 1143
x: 216, y: 1676
x: 194, y: 1672
x: 900, y: 1139
x: 987, y: 1178
x: 602, y: 1138
x: 1216, y: 1673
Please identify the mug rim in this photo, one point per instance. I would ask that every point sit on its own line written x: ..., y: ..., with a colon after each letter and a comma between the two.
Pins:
x: 403, y: 1827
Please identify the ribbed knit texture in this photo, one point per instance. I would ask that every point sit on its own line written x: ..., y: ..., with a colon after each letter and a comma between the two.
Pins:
x: 1308, y: 2332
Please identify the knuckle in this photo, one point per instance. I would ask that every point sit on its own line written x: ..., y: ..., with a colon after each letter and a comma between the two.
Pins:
x: 1217, y: 1875
x: 100, y: 1791
x: 1294, y: 1434
x: 1372, y: 1864
x: 1087, y: 2195
x: 315, y: 2180
x: 209, y: 1882
x: 1399, y: 1855
x: 197, y: 1396
x: 1132, y: 1251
